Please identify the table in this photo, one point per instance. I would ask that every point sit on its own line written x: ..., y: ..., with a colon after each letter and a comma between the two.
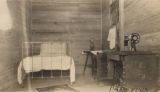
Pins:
x: 88, y: 53
x: 94, y: 58
x: 132, y: 69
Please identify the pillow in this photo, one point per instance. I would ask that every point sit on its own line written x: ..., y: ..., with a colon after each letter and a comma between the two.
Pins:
x: 53, y: 49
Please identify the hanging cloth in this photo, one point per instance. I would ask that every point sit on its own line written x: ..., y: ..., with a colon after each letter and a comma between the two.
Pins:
x: 112, y: 37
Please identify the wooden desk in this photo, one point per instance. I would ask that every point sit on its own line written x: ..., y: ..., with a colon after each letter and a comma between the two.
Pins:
x: 96, y: 59
x: 134, y: 69
x: 99, y: 64
x: 131, y: 69
x: 93, y: 65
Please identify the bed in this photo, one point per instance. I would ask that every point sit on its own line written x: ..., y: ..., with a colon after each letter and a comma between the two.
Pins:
x: 53, y: 56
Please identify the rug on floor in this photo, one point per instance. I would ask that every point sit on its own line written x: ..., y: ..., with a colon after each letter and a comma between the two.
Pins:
x: 57, y: 88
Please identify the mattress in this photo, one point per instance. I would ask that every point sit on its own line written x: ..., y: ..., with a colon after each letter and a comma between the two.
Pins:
x: 38, y: 63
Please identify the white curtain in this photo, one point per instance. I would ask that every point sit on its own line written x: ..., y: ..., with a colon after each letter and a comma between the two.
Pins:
x: 5, y: 17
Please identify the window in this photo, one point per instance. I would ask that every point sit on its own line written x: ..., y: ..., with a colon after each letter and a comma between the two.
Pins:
x: 5, y: 17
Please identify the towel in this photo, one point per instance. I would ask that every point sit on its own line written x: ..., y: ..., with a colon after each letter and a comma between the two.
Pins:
x: 112, y: 37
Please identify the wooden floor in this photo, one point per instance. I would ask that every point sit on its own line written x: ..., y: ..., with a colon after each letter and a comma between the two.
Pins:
x: 83, y: 84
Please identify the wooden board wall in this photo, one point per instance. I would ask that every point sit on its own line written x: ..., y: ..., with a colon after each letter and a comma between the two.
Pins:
x: 75, y: 20
x: 11, y: 43
x: 105, y: 23
x: 143, y: 17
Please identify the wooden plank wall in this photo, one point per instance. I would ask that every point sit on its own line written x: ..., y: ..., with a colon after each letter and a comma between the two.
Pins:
x: 105, y: 23
x: 11, y: 44
x: 73, y: 20
x: 143, y: 17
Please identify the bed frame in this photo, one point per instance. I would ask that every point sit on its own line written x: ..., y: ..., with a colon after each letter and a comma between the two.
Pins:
x: 33, y: 48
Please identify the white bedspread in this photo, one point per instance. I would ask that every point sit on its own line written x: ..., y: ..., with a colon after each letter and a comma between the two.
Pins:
x: 38, y: 63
